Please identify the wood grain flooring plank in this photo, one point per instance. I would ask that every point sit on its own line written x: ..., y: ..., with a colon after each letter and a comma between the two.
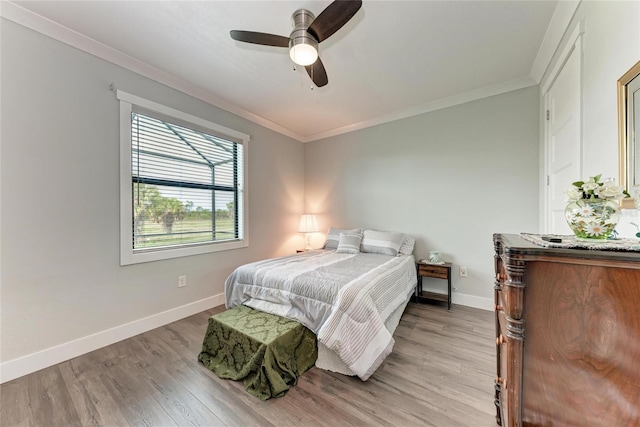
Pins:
x: 432, y: 402
x: 340, y: 407
x: 16, y: 407
x: 90, y: 398
x: 177, y: 401
x: 458, y: 345
x: 183, y: 338
x: 441, y: 392
x: 219, y: 395
x: 153, y: 362
x: 368, y: 397
x: 323, y: 408
x: 135, y: 401
x: 49, y: 399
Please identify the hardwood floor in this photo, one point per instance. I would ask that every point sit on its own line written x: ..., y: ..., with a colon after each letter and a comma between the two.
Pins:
x: 439, y: 374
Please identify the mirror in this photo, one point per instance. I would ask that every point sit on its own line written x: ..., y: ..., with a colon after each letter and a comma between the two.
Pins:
x: 629, y: 132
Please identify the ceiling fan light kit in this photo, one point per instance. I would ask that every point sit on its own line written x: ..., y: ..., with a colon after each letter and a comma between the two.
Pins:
x: 303, y: 52
x: 307, y: 32
x: 303, y: 48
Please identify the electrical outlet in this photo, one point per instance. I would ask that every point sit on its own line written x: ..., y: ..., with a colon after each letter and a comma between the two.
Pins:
x: 463, y: 271
x: 182, y: 281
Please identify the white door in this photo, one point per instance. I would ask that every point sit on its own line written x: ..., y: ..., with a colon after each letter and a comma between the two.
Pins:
x: 563, y: 139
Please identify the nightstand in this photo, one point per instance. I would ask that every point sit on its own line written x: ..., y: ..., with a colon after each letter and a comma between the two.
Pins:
x: 439, y: 271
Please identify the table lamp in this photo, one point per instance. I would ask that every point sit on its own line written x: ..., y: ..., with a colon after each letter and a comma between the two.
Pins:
x: 308, y: 225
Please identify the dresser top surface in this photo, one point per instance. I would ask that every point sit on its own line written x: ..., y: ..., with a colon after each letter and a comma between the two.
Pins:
x: 515, y: 245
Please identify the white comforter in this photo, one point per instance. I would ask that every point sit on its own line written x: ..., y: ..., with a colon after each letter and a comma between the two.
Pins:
x: 343, y: 298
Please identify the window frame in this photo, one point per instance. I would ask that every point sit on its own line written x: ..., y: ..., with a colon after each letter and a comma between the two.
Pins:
x: 129, y: 103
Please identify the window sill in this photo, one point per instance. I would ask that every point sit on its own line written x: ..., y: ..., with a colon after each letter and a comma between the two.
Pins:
x: 128, y: 257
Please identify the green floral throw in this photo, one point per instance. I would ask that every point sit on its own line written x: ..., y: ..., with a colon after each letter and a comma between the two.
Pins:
x: 267, y: 352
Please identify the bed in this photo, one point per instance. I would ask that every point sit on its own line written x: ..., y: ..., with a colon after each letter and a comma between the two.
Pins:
x: 351, y: 301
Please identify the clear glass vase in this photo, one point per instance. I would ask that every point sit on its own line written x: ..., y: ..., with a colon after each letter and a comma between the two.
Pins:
x: 593, y: 219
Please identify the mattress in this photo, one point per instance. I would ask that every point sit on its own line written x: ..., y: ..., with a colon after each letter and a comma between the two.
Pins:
x: 347, y: 300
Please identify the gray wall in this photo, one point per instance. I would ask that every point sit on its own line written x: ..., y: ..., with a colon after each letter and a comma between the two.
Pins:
x: 61, y: 278
x: 451, y: 178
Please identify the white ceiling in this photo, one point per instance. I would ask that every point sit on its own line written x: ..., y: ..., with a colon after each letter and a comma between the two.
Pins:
x: 393, y: 59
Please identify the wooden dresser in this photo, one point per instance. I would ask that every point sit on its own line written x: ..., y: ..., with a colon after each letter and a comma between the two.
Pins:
x: 567, y: 335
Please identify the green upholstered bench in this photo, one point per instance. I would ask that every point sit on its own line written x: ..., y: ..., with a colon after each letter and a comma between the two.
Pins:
x: 267, y: 352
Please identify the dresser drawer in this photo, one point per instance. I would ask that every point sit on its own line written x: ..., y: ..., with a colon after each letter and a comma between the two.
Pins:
x: 436, y: 271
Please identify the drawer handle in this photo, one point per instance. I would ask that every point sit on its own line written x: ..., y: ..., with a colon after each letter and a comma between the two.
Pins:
x: 502, y: 381
x: 500, y: 340
x: 497, y: 307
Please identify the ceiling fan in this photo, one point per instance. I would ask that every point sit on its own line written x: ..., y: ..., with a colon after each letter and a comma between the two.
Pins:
x: 307, y: 32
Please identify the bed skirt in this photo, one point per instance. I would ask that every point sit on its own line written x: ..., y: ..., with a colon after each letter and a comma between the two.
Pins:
x: 267, y: 352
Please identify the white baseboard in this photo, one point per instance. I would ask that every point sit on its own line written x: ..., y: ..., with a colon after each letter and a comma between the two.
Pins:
x: 473, y: 301
x: 42, y: 359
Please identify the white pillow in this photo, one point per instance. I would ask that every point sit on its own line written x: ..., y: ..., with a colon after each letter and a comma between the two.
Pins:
x: 333, y: 236
x: 406, y: 248
x: 349, y: 243
x: 381, y: 242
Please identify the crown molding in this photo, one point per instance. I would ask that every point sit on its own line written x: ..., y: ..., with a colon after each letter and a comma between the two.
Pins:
x: 47, y: 27
x: 447, y: 102
x: 565, y: 9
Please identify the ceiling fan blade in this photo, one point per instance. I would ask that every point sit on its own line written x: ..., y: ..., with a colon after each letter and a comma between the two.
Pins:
x: 260, y: 38
x: 317, y: 73
x: 333, y: 18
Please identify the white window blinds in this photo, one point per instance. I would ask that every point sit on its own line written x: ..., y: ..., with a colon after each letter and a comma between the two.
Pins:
x: 186, y: 184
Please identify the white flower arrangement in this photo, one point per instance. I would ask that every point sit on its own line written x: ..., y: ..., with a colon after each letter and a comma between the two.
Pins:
x: 593, y: 188
x: 593, y: 209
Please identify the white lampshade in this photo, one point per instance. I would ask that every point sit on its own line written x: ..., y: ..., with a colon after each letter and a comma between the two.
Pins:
x: 308, y: 224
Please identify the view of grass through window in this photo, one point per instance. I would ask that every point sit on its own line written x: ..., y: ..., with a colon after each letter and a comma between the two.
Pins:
x: 165, y: 221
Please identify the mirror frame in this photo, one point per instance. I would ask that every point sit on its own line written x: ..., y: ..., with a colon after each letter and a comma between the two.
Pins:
x: 623, y: 136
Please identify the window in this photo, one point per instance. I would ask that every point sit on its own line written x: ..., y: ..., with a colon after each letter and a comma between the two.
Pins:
x: 182, y: 183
